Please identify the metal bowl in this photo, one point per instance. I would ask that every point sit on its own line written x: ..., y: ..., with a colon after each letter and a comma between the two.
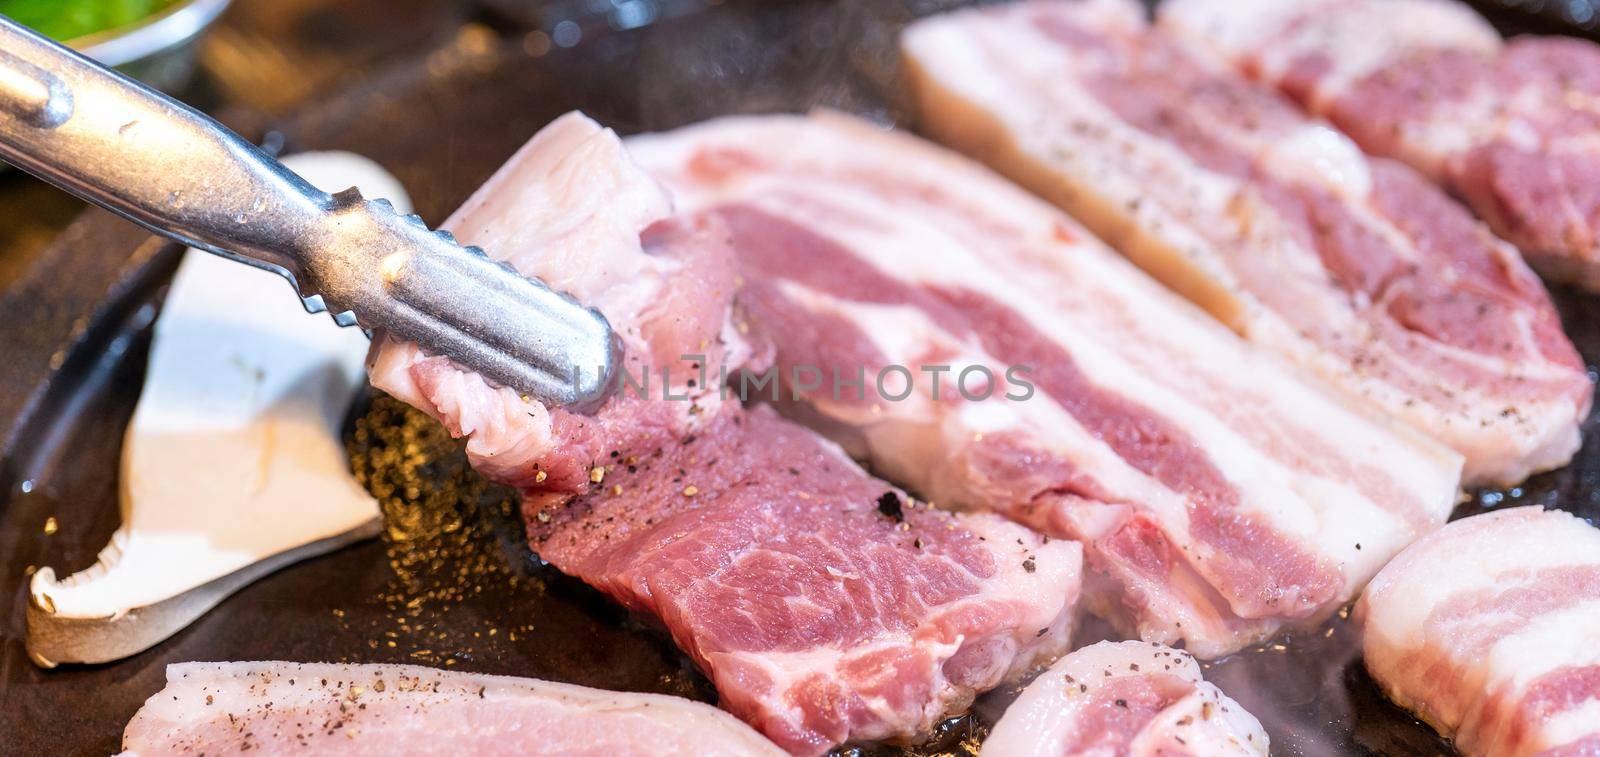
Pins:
x: 157, y: 50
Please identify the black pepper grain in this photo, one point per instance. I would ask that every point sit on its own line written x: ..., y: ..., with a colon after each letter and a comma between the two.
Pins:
x: 889, y: 504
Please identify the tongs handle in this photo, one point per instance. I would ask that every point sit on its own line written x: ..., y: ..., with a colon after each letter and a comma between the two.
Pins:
x: 121, y: 145
x: 163, y: 165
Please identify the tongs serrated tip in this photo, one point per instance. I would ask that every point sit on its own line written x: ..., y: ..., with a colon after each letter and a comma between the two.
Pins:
x: 390, y: 272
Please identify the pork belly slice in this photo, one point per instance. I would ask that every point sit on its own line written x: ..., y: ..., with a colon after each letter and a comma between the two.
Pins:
x: 1125, y: 698
x: 1489, y: 629
x: 570, y: 208
x: 1218, y: 497
x: 1510, y: 127
x: 295, y: 708
x: 1354, y: 268
x: 824, y: 604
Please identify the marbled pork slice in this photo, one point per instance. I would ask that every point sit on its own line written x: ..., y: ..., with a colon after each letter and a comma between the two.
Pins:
x: 1357, y: 269
x: 1219, y: 497
x: 1509, y: 126
x: 281, y: 708
x: 1489, y: 629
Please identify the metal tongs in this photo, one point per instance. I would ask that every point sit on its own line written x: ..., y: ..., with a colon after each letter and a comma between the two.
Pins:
x: 171, y: 169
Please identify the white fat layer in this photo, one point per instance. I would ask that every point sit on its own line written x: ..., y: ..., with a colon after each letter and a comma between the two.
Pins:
x: 1554, y: 640
x: 1046, y: 714
x: 1366, y: 36
x: 1470, y: 555
x: 1234, y: 27
x: 387, y: 707
x: 568, y: 208
x: 234, y: 452
x: 1572, y: 725
x: 1465, y: 561
x: 1206, y: 722
x: 1316, y: 153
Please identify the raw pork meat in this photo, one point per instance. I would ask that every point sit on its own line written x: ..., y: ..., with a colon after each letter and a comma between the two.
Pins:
x: 824, y: 604
x: 1218, y: 497
x: 570, y: 208
x: 821, y: 602
x: 1489, y: 629
x: 1125, y: 698
x: 1509, y: 127
x: 1356, y: 269
x: 291, y: 708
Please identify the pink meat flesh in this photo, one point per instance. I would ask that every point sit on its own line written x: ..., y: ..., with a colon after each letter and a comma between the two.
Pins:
x: 825, y: 605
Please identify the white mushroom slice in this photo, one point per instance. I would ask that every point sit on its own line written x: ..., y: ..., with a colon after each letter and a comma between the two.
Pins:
x: 233, y: 465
